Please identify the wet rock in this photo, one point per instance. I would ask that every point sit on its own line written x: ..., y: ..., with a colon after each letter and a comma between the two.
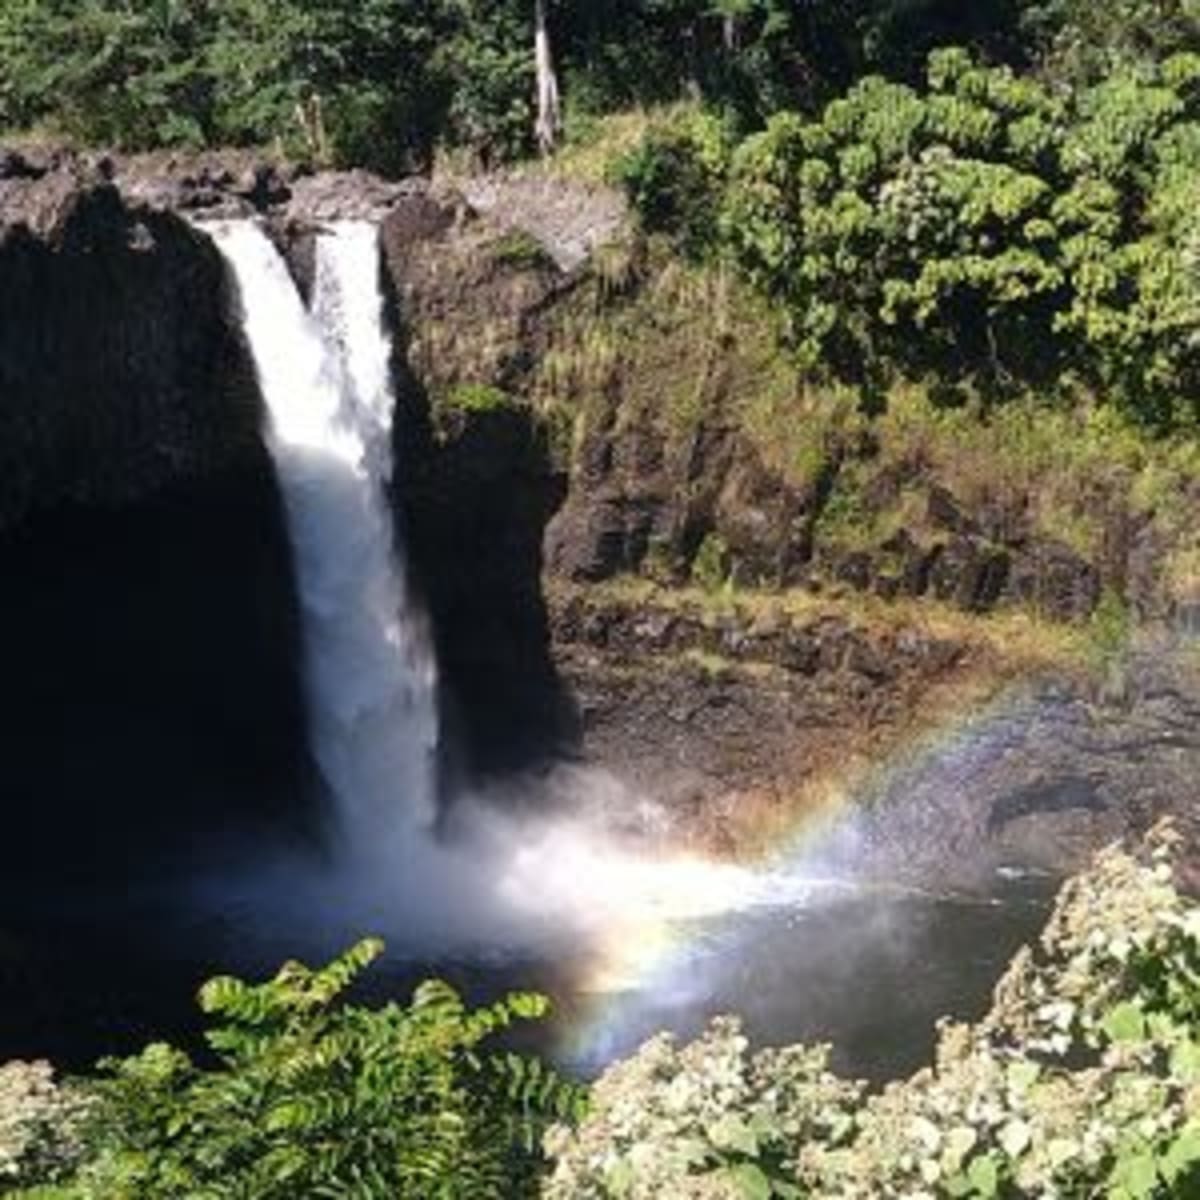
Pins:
x: 149, y: 614
x: 801, y: 653
x: 707, y: 712
x: 856, y: 569
x: 1044, y: 777
x: 1045, y: 796
x: 570, y: 219
x: 27, y: 163
x: 118, y: 368
x: 969, y: 574
x: 869, y: 660
x: 597, y: 541
x: 351, y: 195
x: 656, y: 630
x: 476, y: 485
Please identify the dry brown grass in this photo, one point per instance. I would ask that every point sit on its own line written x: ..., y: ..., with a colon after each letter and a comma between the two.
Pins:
x: 1021, y: 639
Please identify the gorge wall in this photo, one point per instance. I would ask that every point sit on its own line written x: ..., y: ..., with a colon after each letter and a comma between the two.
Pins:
x: 640, y: 544
x: 745, y: 592
x: 148, y: 633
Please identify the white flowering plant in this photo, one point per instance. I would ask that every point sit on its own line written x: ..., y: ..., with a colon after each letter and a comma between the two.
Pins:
x: 1082, y: 1081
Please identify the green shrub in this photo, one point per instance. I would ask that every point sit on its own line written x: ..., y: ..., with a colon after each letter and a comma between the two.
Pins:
x: 675, y: 175
x: 710, y: 567
x: 991, y: 231
x: 478, y: 398
x: 311, y: 1098
x: 1082, y: 40
x: 520, y: 251
x: 331, y: 80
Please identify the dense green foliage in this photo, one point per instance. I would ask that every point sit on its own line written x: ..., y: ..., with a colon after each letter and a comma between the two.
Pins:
x: 990, y: 230
x: 326, y: 78
x: 986, y: 228
x: 1083, y: 1081
x: 1083, y: 41
x: 313, y: 1098
x: 382, y: 82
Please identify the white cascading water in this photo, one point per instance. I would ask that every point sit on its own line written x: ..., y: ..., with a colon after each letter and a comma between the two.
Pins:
x: 559, y: 888
x: 325, y: 379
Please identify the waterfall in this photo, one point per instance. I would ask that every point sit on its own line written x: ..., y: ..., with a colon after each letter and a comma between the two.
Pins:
x: 325, y: 379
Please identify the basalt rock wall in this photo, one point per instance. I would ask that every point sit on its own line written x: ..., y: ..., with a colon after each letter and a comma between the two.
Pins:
x: 147, y: 616
x: 597, y: 466
x: 573, y: 413
x: 476, y: 481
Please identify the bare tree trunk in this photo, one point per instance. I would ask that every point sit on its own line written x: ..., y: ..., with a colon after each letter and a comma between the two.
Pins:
x: 549, y: 113
x: 310, y: 116
x: 729, y: 32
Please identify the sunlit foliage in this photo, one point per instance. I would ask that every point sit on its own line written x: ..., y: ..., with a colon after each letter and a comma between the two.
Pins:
x: 988, y: 231
x: 312, y: 1097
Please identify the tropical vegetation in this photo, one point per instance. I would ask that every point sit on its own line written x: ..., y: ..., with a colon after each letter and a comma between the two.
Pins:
x: 381, y: 82
x: 987, y: 231
x: 307, y: 1097
x: 990, y: 198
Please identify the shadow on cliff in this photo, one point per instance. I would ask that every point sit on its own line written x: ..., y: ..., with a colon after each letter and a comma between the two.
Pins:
x: 471, y: 508
x: 148, y: 628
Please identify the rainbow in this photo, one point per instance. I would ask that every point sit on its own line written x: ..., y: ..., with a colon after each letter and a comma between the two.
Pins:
x: 661, y: 927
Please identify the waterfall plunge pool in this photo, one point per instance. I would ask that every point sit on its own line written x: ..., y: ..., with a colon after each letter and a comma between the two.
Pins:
x: 626, y: 940
x: 799, y: 955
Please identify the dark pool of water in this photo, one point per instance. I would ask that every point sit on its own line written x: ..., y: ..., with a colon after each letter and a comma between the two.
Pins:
x: 870, y: 973
x: 88, y: 974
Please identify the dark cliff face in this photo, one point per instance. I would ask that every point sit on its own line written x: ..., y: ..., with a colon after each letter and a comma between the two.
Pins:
x: 562, y: 426
x: 147, y: 616
x: 475, y: 486
x: 118, y: 371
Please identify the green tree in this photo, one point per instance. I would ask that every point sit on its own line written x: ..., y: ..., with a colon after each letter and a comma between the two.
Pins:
x: 126, y: 75
x: 489, y: 57
x: 988, y: 230
x: 315, y: 1098
x: 339, y: 80
x: 1084, y: 41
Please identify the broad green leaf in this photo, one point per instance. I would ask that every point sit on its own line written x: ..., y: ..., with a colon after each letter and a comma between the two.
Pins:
x: 1125, y: 1023
x: 1138, y: 1176
x: 750, y: 1180
x: 984, y: 1176
x: 1183, y: 1154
